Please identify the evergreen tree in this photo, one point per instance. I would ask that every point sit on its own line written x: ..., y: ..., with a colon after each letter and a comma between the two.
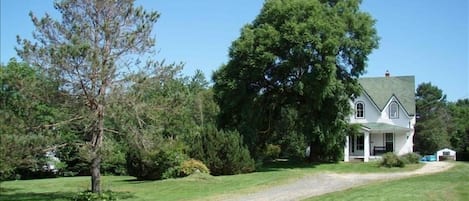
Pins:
x: 431, y: 129
x: 90, y: 49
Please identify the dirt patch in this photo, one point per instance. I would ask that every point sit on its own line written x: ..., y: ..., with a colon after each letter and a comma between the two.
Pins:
x: 319, y: 184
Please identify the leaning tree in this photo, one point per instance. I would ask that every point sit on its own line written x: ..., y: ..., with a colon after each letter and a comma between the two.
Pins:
x: 301, y: 55
x: 89, y: 50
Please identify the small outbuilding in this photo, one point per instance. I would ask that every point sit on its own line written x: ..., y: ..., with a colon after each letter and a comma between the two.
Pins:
x: 445, y: 154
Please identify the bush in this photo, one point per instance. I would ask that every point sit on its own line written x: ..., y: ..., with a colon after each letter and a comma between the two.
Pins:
x: 90, y: 196
x: 391, y: 160
x: 411, y: 158
x: 113, y: 158
x: 293, y: 146
x: 192, y: 166
x: 156, y: 161
x: 224, y: 153
x: 272, y: 151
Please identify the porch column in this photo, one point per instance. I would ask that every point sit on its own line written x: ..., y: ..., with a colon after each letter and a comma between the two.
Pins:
x: 346, y: 149
x: 366, y: 146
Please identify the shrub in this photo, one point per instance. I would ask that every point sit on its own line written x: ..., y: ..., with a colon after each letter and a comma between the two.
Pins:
x: 411, y: 158
x: 224, y: 153
x: 272, y: 151
x: 113, y: 162
x: 293, y: 146
x: 391, y: 160
x: 192, y: 166
x: 172, y: 172
x: 150, y: 163
x: 90, y: 196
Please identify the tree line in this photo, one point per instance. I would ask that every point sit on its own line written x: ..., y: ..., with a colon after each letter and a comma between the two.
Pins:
x: 440, y: 123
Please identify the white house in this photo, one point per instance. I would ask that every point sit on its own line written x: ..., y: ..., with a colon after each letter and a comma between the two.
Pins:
x: 385, y: 111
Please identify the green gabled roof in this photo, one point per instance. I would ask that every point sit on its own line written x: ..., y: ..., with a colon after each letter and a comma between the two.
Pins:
x: 381, y: 89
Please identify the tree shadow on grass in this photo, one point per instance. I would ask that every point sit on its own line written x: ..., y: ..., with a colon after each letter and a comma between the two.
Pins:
x: 5, y: 190
x: 54, y: 196
x: 29, y: 196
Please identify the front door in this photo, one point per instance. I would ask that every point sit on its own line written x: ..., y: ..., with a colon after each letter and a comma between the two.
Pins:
x: 389, y: 142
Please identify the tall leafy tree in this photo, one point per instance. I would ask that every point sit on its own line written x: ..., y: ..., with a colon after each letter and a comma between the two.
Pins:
x: 89, y: 49
x: 304, y: 55
x: 431, y: 129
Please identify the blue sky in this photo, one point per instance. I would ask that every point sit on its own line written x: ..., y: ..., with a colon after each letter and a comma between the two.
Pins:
x: 425, y: 38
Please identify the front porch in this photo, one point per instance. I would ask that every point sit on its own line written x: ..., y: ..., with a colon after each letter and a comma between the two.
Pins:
x: 375, y: 140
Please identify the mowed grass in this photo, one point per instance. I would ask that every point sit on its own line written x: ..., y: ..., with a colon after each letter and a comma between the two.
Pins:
x: 197, y: 187
x: 449, y: 185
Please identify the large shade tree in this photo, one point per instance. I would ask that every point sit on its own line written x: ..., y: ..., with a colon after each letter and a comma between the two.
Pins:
x: 302, y: 55
x: 89, y: 49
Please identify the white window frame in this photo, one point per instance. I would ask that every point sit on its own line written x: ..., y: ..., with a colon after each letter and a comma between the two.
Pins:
x: 393, y: 115
x: 363, y: 110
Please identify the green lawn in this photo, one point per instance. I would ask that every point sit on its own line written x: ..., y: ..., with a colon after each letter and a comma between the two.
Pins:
x: 200, y: 187
x: 449, y: 185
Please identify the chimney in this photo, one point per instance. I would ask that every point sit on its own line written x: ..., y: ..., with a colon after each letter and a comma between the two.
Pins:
x: 387, y: 74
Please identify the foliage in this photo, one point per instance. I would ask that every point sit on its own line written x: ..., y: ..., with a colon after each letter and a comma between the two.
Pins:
x: 291, y: 57
x: 391, y: 160
x: 431, y: 129
x: 153, y: 155
x: 89, y: 50
x: 224, y: 153
x: 272, y: 151
x: 29, y: 104
x: 71, y: 156
x: 90, y: 196
x: 459, y: 131
x: 114, y: 161
x: 411, y: 158
x: 192, y: 166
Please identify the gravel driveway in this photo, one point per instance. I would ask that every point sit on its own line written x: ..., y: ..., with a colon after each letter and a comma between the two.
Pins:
x: 319, y: 184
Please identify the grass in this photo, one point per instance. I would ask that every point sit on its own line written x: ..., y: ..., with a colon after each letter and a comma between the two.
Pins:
x: 197, y: 187
x: 449, y: 185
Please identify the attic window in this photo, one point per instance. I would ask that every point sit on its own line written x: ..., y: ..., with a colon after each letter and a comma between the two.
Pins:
x: 393, y: 110
x: 360, y: 110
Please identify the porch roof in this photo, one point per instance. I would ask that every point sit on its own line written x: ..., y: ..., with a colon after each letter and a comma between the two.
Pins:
x: 384, y: 127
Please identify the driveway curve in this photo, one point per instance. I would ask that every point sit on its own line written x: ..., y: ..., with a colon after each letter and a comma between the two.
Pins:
x: 319, y: 184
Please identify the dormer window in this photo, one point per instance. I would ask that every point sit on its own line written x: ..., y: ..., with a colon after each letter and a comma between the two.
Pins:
x: 393, y: 110
x: 359, y: 110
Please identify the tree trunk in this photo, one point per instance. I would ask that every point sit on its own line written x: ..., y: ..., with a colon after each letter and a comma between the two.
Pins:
x: 96, y: 174
x: 313, y: 152
x: 96, y: 151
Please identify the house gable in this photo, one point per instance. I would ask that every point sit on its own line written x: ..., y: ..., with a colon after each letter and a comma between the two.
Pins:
x: 381, y: 89
x: 401, y: 109
x: 371, y: 111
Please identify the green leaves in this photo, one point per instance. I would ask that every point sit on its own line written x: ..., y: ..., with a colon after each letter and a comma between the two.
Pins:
x: 431, y: 129
x: 300, y: 54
